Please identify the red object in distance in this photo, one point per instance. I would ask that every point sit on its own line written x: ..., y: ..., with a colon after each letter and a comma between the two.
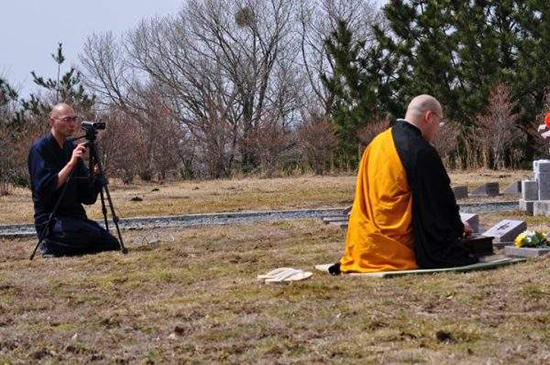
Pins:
x: 547, y: 120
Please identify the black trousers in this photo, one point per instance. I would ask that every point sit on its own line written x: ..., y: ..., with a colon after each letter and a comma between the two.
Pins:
x: 70, y: 236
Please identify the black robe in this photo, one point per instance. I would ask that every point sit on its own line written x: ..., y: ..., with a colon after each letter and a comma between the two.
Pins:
x: 435, y: 214
x: 71, y: 232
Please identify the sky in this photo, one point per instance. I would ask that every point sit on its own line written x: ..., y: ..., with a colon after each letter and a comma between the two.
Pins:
x: 30, y: 31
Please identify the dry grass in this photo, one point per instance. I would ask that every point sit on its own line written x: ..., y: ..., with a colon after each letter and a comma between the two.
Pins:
x: 196, y: 300
x: 186, y: 197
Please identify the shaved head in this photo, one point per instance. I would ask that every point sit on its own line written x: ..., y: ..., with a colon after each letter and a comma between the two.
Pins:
x: 421, y: 104
x: 61, y: 110
x: 425, y: 112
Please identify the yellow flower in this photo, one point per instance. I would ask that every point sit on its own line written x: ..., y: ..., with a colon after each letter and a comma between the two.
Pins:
x: 520, y: 240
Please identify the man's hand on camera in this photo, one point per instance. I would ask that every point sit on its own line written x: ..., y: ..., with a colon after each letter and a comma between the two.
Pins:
x: 78, y: 152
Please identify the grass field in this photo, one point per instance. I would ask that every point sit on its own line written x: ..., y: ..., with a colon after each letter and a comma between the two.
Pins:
x: 195, y: 299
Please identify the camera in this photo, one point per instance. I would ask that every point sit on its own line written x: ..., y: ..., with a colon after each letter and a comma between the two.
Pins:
x: 93, y: 126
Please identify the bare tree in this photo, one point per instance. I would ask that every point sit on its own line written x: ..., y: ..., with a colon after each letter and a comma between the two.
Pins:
x: 446, y: 143
x: 317, y: 141
x: 495, y: 134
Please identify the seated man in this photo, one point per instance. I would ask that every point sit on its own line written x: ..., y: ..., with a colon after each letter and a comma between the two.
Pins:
x: 404, y: 215
x: 51, y: 161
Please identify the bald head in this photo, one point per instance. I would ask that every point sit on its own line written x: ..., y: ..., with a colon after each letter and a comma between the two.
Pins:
x: 420, y: 105
x: 60, y: 110
x: 425, y: 112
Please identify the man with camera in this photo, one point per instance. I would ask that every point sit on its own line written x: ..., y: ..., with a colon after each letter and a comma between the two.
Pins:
x: 58, y: 176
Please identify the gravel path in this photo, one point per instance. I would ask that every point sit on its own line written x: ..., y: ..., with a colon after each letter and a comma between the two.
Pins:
x: 27, y: 230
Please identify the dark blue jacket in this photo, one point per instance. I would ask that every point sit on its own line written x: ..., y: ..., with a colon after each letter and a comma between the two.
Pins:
x: 45, y: 161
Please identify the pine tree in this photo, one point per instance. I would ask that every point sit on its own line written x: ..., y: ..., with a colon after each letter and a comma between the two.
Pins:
x: 458, y: 51
x: 355, y: 90
x: 66, y: 88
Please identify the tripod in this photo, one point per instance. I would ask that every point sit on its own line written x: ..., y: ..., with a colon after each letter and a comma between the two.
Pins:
x: 91, y: 136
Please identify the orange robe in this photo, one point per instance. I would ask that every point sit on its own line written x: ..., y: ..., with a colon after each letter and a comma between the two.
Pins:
x: 380, y: 234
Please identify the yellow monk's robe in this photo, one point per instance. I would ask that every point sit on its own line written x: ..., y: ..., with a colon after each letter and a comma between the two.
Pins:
x: 380, y: 234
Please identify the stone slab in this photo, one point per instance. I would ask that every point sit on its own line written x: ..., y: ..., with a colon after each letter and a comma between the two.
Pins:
x: 526, y: 205
x: 506, y: 230
x: 529, y: 190
x: 460, y: 192
x: 514, y: 251
x: 541, y: 207
x: 487, y: 189
x: 471, y: 219
x: 501, y: 245
x: 339, y: 218
x: 513, y: 188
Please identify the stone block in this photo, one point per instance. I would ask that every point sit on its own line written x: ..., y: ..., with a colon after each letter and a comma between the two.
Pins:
x: 478, y: 245
x: 529, y: 190
x: 541, y: 166
x: 460, y: 192
x: 471, y: 219
x: 541, y: 207
x: 487, y: 189
x: 513, y: 188
x: 525, y: 251
x: 544, y: 186
x: 527, y: 206
x: 506, y: 230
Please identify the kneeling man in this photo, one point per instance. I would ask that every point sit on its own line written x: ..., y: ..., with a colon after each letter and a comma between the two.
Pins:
x: 405, y: 215
x: 51, y: 161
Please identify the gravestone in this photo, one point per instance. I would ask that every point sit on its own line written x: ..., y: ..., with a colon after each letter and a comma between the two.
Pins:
x: 506, y: 230
x: 460, y: 192
x: 525, y: 251
x: 471, y: 219
x: 513, y: 188
x: 541, y: 169
x: 529, y: 190
x: 527, y: 206
x: 487, y: 189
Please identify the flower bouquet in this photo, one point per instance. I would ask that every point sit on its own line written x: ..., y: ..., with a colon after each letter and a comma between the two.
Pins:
x: 532, y: 239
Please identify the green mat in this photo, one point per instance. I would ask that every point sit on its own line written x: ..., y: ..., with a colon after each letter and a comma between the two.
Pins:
x: 479, y: 266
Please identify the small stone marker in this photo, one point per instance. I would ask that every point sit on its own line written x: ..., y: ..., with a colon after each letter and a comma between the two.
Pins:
x: 513, y: 188
x: 471, y: 219
x: 529, y: 190
x: 525, y: 251
x: 487, y: 189
x: 506, y: 230
x: 460, y: 192
x: 541, y: 207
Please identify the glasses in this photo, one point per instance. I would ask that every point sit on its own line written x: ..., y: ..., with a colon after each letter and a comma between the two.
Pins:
x: 442, y: 120
x: 73, y: 119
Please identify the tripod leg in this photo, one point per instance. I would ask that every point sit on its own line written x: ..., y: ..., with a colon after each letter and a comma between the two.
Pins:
x: 104, y: 210
x: 115, y: 219
x: 94, y: 155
